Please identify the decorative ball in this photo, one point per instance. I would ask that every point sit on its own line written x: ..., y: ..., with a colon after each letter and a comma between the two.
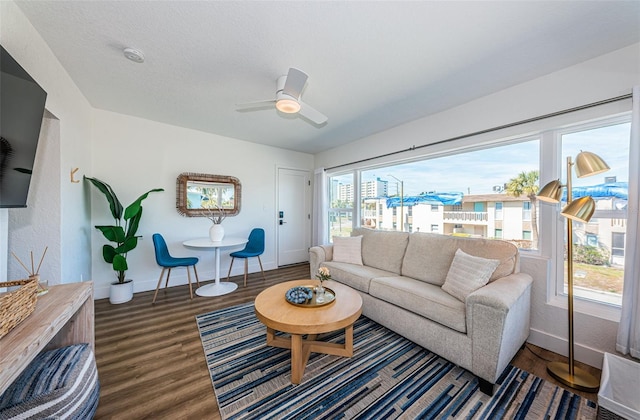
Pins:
x: 298, y: 294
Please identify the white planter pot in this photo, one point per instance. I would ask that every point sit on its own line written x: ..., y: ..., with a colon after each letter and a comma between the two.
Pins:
x: 216, y: 233
x: 121, y: 292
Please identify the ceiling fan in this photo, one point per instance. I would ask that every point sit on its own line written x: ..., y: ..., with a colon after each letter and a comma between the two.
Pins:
x: 287, y: 100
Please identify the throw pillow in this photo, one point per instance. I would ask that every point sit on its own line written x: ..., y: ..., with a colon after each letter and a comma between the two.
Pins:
x: 347, y: 249
x: 467, y: 274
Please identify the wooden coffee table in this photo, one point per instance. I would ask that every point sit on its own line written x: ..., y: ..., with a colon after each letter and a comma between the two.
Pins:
x: 279, y: 315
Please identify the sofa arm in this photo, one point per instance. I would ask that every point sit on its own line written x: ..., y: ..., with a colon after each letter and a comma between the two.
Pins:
x: 318, y: 255
x: 498, y: 317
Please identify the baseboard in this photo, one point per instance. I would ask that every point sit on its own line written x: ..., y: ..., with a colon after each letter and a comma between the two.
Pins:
x: 179, y: 277
x: 560, y: 345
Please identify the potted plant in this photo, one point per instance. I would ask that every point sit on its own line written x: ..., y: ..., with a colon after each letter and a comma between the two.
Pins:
x: 123, y: 236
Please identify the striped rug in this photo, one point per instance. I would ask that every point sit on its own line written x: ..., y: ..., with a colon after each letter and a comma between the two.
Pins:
x: 388, y: 377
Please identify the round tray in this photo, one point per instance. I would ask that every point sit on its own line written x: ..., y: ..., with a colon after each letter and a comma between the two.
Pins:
x: 329, y: 297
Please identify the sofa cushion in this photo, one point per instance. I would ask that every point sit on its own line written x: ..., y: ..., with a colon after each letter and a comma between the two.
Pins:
x: 382, y: 249
x: 429, y: 255
x: 467, y: 274
x: 424, y: 299
x: 355, y: 276
x: 347, y: 249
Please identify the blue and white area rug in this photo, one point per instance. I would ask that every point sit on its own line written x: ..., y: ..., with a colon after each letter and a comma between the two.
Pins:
x: 387, y: 377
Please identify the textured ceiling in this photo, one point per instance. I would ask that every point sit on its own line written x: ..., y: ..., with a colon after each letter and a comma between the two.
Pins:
x: 371, y: 65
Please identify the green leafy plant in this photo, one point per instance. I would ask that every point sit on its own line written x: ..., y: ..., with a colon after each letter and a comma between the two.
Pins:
x: 590, y: 255
x: 123, y: 232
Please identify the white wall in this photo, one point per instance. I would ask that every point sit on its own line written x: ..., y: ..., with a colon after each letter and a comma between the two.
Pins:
x: 61, y: 220
x: 134, y: 155
x: 608, y: 76
x: 32, y: 230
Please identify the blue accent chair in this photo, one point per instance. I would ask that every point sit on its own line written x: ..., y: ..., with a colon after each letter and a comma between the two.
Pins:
x: 253, y: 248
x: 167, y: 262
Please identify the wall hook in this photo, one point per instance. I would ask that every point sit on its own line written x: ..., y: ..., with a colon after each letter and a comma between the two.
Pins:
x: 73, y: 172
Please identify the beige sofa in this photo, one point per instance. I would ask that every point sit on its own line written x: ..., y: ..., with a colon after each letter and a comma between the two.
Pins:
x: 401, y: 282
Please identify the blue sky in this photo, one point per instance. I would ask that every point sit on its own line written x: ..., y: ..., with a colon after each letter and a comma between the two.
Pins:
x: 479, y: 171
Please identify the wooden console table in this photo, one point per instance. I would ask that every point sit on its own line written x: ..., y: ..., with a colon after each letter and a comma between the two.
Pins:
x: 62, y: 317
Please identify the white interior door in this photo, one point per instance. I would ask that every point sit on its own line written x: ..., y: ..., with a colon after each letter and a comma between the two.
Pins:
x: 293, y: 216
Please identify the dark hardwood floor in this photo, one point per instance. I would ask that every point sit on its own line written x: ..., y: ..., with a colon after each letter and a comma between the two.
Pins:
x: 151, y: 363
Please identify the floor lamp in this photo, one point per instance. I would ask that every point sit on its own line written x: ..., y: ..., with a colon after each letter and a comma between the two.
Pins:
x: 581, y: 209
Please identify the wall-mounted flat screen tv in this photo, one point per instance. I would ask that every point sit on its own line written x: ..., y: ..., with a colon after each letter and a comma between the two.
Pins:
x: 21, y: 110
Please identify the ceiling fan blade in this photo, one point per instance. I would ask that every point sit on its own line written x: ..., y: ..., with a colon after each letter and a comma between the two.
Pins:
x: 256, y: 104
x: 312, y: 114
x: 295, y: 82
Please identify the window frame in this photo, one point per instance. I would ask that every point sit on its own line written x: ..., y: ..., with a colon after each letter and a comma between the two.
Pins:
x: 553, y: 247
x: 498, y: 212
x: 613, y: 243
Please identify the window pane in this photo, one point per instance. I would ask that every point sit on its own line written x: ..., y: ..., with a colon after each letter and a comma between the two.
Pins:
x: 526, y: 211
x: 599, y: 244
x: 464, y: 194
x: 341, y: 191
x: 341, y: 196
x: 498, y: 211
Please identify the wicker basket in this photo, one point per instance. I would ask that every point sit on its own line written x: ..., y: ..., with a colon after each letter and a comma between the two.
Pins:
x: 604, y: 414
x: 18, y: 304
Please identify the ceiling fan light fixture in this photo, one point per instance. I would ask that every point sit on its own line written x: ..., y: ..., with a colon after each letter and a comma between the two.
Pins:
x: 288, y: 106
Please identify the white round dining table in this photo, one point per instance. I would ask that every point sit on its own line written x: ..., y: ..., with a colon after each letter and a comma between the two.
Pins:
x: 218, y: 288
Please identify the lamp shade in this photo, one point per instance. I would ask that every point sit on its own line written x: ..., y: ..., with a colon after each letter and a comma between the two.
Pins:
x: 551, y: 192
x: 581, y: 209
x: 288, y: 106
x: 588, y: 164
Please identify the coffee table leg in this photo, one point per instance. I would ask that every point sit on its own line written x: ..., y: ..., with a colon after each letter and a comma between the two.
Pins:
x: 302, y: 349
x: 297, y: 360
x: 348, y: 341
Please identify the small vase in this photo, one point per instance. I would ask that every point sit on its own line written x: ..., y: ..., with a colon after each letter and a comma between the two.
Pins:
x: 216, y: 232
x: 320, y: 294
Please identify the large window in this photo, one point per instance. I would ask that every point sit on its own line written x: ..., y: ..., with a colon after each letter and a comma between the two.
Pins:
x: 472, y: 193
x: 599, y: 244
x: 490, y: 191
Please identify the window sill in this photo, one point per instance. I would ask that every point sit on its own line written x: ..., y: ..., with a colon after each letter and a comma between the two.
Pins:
x: 588, y: 307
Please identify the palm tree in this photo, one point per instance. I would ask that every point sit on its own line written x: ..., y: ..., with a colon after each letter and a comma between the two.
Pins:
x: 526, y: 183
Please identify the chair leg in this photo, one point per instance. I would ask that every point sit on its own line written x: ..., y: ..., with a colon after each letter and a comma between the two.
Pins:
x: 246, y: 269
x: 196, y: 273
x: 260, y: 261
x: 168, y: 275
x: 230, y: 265
x: 189, y: 279
x: 158, y: 286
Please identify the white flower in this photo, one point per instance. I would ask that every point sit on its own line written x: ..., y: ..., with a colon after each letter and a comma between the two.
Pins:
x: 323, y: 274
